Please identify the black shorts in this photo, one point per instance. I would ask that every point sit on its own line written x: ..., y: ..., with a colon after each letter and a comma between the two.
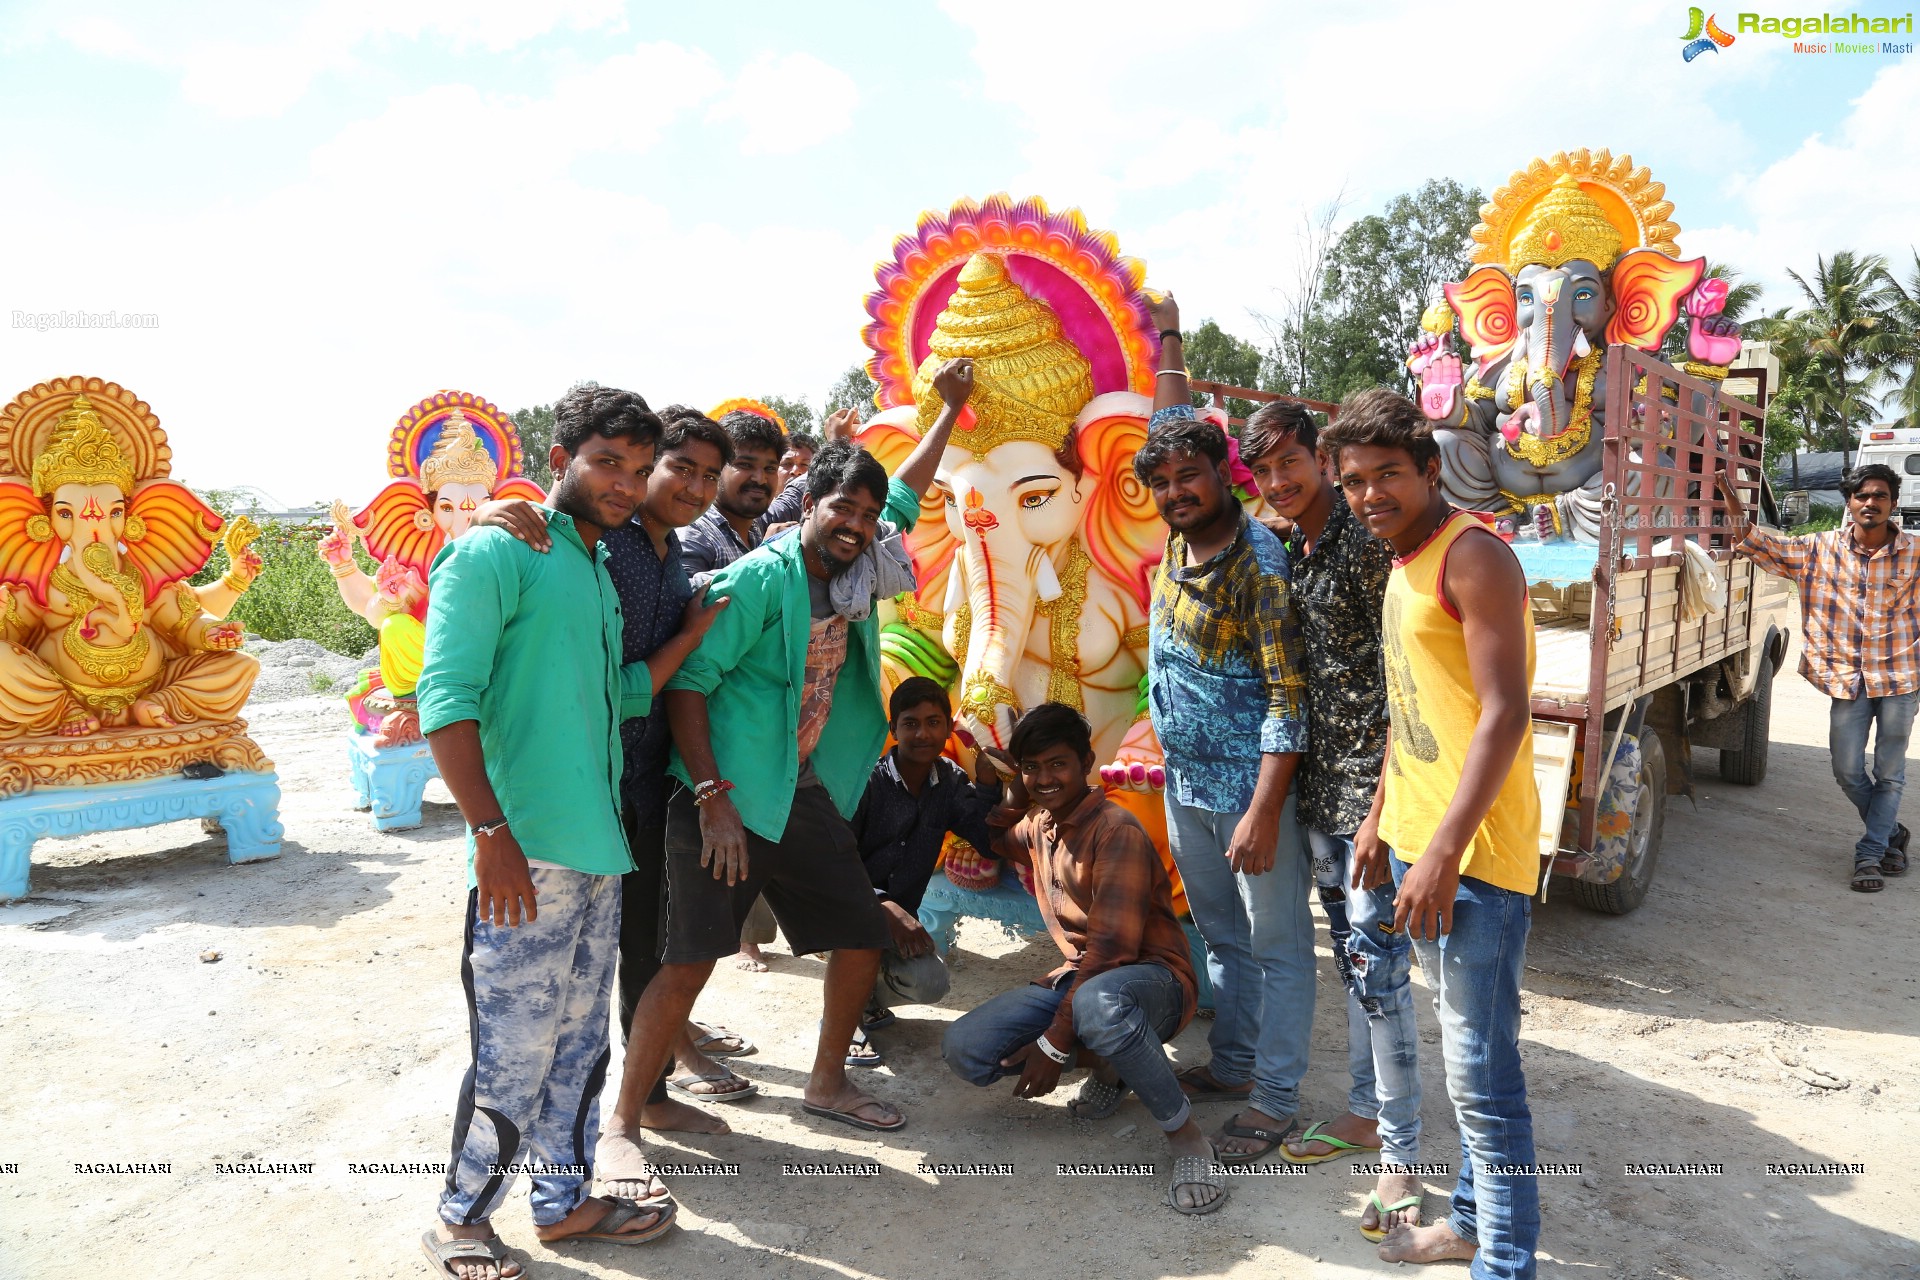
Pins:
x: 813, y: 881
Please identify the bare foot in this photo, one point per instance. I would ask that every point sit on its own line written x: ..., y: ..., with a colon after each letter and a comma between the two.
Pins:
x: 1188, y: 1140
x: 678, y: 1117
x: 750, y: 958
x: 478, y: 1269
x: 1361, y: 1131
x: 1391, y: 1189
x: 150, y: 714
x: 1435, y: 1243
x: 593, y: 1212
x: 621, y: 1168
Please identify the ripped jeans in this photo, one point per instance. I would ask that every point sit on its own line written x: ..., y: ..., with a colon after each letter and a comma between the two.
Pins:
x: 1376, y: 965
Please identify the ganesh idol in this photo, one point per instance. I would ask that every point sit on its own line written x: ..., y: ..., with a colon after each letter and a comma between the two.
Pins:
x: 448, y: 454
x: 103, y: 641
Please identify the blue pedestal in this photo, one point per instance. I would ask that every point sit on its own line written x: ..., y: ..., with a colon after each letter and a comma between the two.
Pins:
x: 245, y: 805
x: 390, y: 780
x: 1010, y: 905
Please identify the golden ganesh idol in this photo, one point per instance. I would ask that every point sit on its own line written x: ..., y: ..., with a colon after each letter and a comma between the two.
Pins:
x: 114, y: 670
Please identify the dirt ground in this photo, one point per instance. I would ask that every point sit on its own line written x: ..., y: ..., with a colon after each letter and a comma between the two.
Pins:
x: 331, y: 1030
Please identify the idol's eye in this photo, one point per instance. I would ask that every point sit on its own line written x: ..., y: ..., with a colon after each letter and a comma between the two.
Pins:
x: 1526, y: 297
x: 1038, y: 498
x: 1583, y: 295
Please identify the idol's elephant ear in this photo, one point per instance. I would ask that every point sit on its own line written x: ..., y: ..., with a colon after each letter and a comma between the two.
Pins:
x: 891, y: 436
x: 1647, y: 289
x: 1484, y: 303
x: 170, y: 533
x: 28, y: 549
x: 1124, y: 534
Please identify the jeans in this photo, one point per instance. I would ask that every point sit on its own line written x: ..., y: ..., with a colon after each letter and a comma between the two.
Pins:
x: 1383, y: 1040
x: 537, y: 998
x: 1125, y: 1015
x: 1259, y: 936
x: 1477, y: 967
x: 1877, y: 797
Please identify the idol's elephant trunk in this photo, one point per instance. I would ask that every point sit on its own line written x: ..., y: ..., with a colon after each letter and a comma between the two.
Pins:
x: 1007, y: 578
x: 1552, y: 348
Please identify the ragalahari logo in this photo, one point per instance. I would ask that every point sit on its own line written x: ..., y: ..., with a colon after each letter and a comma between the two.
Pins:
x: 1703, y: 35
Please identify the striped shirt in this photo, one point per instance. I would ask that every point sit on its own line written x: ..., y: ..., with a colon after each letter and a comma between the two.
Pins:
x: 1858, y: 607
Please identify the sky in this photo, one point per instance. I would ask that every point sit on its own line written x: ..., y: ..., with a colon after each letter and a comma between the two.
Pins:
x: 334, y: 209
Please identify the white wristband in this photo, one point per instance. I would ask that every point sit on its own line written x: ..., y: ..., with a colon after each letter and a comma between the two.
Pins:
x: 1046, y: 1047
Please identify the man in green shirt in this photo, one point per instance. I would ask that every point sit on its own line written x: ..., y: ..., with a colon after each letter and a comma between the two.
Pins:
x: 777, y: 720
x: 521, y: 696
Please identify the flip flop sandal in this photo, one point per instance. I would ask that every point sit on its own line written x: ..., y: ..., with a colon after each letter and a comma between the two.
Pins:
x: 1867, y: 878
x: 683, y: 1085
x: 847, y: 1117
x: 1895, y: 861
x: 1377, y: 1234
x: 1314, y: 1134
x: 1197, y: 1171
x: 1275, y: 1140
x: 1190, y: 1083
x: 1096, y: 1099
x: 607, y: 1230
x: 442, y: 1254
x: 877, y: 1019
x: 712, y: 1041
x: 872, y: 1058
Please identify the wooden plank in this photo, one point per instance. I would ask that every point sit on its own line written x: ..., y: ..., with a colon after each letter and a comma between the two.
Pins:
x: 1553, y: 745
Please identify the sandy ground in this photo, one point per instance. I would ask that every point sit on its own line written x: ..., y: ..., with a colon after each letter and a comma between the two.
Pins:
x: 331, y: 1030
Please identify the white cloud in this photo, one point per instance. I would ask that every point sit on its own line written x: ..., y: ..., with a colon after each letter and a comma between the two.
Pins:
x: 788, y: 102
x: 1859, y: 190
x: 461, y: 238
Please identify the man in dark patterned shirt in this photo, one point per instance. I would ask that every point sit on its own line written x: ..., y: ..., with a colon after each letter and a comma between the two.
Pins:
x: 1339, y: 580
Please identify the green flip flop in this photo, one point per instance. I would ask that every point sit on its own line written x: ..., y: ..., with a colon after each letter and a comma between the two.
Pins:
x: 1314, y: 1134
x: 1377, y: 1234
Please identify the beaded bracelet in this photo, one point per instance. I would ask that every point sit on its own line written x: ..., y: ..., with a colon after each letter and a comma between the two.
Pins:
x: 705, y: 791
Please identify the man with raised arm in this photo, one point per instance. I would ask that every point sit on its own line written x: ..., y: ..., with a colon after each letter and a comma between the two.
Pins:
x: 777, y: 720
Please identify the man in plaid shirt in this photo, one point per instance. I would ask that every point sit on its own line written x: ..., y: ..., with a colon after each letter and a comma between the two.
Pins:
x: 1858, y: 598
x: 1226, y: 690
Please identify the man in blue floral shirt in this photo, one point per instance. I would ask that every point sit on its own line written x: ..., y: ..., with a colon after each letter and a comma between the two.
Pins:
x: 1226, y: 690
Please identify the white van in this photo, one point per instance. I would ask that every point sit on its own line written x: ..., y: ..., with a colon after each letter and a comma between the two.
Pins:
x: 1899, y: 448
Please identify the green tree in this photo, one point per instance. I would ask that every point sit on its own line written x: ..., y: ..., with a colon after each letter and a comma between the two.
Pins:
x: 1380, y: 275
x: 1903, y: 362
x: 1851, y: 338
x: 294, y: 597
x: 854, y: 390
x: 1214, y: 355
x: 535, y: 425
x: 798, y: 413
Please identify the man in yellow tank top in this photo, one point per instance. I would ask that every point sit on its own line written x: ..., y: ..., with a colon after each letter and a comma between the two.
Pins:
x: 1456, y: 817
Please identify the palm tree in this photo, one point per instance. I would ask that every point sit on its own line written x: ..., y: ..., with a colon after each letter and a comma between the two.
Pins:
x: 1904, y: 314
x: 1851, y: 338
x: 1792, y: 418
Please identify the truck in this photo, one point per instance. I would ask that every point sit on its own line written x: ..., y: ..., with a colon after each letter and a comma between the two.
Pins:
x: 1634, y: 666
x: 1898, y: 447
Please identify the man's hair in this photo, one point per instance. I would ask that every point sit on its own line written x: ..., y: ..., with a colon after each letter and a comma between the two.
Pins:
x: 1273, y: 424
x: 749, y: 430
x: 1048, y: 725
x: 913, y: 691
x: 585, y: 412
x: 683, y: 424
x: 1382, y: 419
x: 1195, y: 436
x: 844, y: 465
x: 1851, y: 482
x: 803, y: 440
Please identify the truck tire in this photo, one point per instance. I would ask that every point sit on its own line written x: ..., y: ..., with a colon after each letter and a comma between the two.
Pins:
x: 1643, y: 855
x: 1747, y: 764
